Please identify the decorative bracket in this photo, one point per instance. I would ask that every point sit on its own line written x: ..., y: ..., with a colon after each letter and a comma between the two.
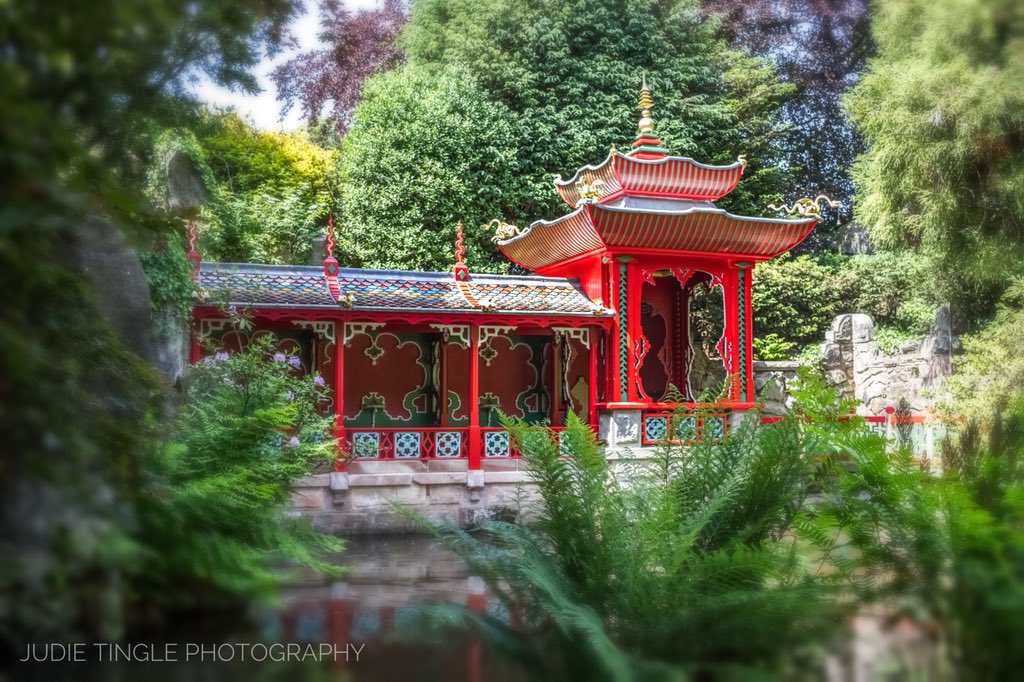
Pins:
x: 682, y: 275
x: 502, y: 231
x: 322, y: 328
x: 581, y: 334
x: 484, y: 336
x: 194, y: 259
x: 209, y: 325
x: 454, y: 333
x: 354, y: 329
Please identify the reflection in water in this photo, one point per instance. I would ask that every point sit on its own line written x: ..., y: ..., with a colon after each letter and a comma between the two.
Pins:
x: 377, y: 608
x: 374, y: 613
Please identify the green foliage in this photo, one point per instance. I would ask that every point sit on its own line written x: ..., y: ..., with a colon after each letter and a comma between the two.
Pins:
x: 569, y: 74
x: 942, y: 111
x: 425, y: 151
x: 793, y: 298
x: 985, y: 520
x: 990, y: 373
x: 214, y: 518
x: 797, y: 297
x: 772, y: 347
x: 271, y: 192
x: 691, y: 562
x: 169, y: 274
x: 80, y: 84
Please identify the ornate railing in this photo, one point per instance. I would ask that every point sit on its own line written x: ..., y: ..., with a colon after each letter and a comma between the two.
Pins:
x: 681, y: 427
x: 403, y: 443
x: 440, y: 442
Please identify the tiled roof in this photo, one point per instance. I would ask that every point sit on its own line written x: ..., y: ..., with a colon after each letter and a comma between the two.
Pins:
x: 689, y: 227
x: 269, y: 285
x: 383, y: 290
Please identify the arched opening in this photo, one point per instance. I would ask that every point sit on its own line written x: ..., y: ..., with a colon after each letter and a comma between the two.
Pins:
x: 707, y: 328
x: 682, y: 318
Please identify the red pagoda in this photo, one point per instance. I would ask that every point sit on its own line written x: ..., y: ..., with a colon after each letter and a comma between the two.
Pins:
x: 640, y: 303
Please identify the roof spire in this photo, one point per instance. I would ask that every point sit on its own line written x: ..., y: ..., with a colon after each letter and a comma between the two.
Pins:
x: 644, y: 104
x: 460, y: 270
x: 647, y: 145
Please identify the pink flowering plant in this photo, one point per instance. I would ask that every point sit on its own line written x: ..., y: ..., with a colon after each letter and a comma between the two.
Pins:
x: 248, y: 428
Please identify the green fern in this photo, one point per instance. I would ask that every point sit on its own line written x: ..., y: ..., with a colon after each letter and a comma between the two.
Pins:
x: 215, y: 519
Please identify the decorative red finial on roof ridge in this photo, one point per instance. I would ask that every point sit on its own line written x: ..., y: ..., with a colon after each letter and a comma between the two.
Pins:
x: 330, y: 262
x: 460, y: 270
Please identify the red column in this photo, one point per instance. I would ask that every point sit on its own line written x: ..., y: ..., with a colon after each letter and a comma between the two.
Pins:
x: 339, y: 385
x: 442, y: 390
x: 556, y: 379
x: 339, y: 628
x: 746, y: 282
x: 595, y: 333
x: 730, y: 281
x: 474, y: 436
x: 634, y: 285
x: 619, y: 388
x: 476, y: 602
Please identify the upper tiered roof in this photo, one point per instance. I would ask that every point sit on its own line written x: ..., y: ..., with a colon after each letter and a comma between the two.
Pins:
x: 648, y: 199
x: 669, y: 176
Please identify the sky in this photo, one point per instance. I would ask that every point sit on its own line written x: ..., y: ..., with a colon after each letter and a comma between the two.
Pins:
x: 264, y: 109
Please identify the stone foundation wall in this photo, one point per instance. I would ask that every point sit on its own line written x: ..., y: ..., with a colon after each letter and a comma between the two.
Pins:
x: 373, y: 496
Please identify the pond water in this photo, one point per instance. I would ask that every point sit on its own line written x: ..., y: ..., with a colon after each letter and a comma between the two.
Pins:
x: 365, y: 626
x: 369, y: 622
x: 375, y: 609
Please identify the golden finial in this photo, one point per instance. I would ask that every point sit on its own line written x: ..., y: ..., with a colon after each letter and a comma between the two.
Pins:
x: 742, y: 159
x: 644, y: 105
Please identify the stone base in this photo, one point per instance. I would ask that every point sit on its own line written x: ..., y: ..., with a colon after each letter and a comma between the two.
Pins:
x: 386, y: 497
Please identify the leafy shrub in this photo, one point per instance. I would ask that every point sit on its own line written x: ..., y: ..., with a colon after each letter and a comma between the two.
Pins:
x: 771, y: 347
x: 718, y: 560
x: 985, y: 522
x: 796, y: 298
x: 214, y: 518
x: 793, y: 297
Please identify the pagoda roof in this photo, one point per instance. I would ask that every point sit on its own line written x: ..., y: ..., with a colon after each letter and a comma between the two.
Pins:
x: 679, y: 226
x: 300, y: 286
x: 668, y: 176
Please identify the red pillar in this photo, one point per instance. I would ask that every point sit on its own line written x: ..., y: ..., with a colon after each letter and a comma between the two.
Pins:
x: 634, y: 287
x: 620, y: 389
x: 442, y: 390
x: 476, y: 602
x: 595, y: 334
x: 730, y: 281
x: 474, y: 435
x: 556, y: 379
x: 339, y: 385
x: 339, y: 628
x: 747, y: 332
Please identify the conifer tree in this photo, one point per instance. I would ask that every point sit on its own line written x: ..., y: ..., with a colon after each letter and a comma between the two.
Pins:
x: 942, y: 111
